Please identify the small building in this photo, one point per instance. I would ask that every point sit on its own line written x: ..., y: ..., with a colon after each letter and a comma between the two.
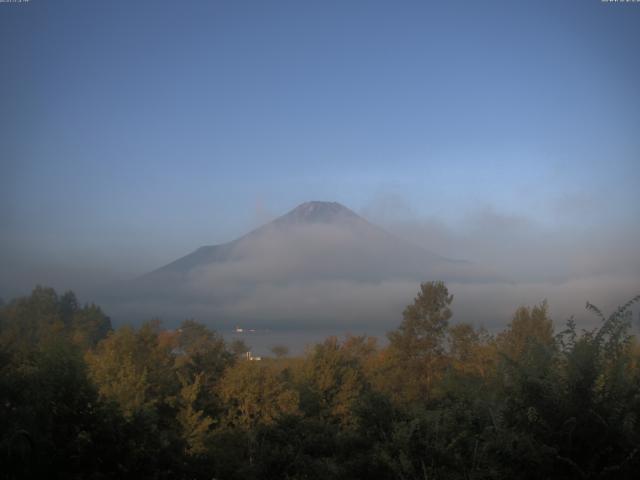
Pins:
x: 252, y: 358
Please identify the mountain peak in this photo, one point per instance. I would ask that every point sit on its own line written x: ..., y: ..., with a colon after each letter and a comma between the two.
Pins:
x: 318, y: 212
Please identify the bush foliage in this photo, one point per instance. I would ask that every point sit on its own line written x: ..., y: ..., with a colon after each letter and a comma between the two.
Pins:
x: 441, y: 400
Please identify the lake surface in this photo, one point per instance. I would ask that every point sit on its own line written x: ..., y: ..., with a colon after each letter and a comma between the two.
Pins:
x: 261, y: 341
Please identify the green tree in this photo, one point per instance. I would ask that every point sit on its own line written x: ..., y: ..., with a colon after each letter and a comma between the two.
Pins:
x: 52, y: 424
x: 280, y: 351
x: 200, y: 349
x: 333, y: 380
x: 529, y: 328
x: 256, y: 394
x: 201, y: 353
x: 89, y: 325
x: 43, y: 316
x: 238, y: 348
x: 471, y: 351
x: 195, y: 423
x: 134, y: 369
x: 417, y: 346
x: 33, y: 320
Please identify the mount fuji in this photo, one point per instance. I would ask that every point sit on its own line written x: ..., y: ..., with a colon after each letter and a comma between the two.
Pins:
x: 319, y: 262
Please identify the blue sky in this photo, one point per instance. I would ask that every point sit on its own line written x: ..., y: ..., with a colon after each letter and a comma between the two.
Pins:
x: 133, y: 131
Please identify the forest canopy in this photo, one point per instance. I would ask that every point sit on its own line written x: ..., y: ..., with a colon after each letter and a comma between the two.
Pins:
x: 441, y: 399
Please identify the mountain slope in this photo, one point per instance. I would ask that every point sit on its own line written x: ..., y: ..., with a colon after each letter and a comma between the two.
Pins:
x: 318, y: 235
x: 320, y: 261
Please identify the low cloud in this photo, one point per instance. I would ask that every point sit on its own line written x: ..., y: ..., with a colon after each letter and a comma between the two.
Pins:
x: 567, y: 263
x: 525, y: 251
x: 321, y: 276
x: 325, y: 277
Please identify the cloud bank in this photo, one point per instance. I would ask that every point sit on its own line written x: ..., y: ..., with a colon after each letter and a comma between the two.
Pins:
x: 325, y: 276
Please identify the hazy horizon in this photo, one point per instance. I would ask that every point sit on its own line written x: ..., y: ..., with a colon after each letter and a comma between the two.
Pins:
x: 135, y: 132
x: 555, y: 270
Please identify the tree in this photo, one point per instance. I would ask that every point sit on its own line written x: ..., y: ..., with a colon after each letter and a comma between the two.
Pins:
x: 471, y: 351
x: 68, y: 304
x: 89, y: 325
x: 255, y: 394
x: 200, y: 350
x: 119, y: 377
x: 570, y: 411
x: 416, y: 348
x: 52, y: 424
x: 44, y: 316
x: 333, y: 380
x: 280, y: 351
x: 33, y: 320
x: 530, y: 328
x: 195, y: 423
x: 132, y: 368
x: 238, y: 348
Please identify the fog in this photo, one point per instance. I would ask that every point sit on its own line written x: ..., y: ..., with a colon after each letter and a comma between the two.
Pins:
x: 331, y: 277
x: 358, y: 278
